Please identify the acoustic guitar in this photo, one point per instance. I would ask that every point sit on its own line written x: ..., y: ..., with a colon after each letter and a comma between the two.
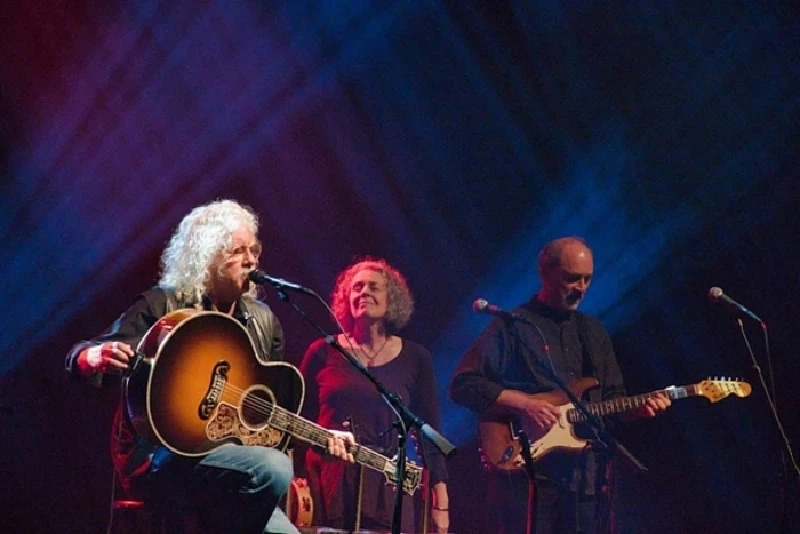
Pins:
x: 200, y: 385
x: 499, y: 440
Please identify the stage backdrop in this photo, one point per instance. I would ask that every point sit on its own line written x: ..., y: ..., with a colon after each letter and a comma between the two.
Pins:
x: 453, y: 139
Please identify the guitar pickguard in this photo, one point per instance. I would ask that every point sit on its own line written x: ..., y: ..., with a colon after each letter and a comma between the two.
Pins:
x: 225, y: 423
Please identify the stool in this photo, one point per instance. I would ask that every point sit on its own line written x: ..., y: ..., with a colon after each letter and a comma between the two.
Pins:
x: 130, y: 516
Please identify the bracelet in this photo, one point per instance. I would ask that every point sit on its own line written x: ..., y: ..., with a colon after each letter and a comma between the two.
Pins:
x: 440, y: 509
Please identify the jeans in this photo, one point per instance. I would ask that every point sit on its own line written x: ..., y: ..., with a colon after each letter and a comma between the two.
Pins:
x: 234, y: 488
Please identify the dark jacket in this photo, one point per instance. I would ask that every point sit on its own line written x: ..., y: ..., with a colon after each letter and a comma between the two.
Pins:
x: 132, y: 453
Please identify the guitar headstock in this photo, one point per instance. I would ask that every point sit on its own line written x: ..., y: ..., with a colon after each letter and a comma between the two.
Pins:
x: 412, y: 479
x: 718, y: 388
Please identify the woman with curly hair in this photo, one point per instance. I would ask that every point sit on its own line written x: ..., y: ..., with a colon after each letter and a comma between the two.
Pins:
x: 372, y: 303
x: 205, y: 266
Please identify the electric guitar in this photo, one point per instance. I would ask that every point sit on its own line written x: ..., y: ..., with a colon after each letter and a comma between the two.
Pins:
x: 499, y: 442
x: 200, y: 385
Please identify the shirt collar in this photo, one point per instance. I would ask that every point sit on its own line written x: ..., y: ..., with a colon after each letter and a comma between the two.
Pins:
x: 239, y: 310
x: 537, y: 306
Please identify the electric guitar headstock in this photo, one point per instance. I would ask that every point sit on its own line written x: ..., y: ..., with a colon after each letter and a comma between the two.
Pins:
x: 718, y: 388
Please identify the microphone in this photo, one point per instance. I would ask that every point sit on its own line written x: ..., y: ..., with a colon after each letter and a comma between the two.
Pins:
x: 483, y: 306
x: 262, y: 278
x: 715, y: 294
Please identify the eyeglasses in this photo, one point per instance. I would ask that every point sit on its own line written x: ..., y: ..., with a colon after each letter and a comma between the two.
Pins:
x: 255, y: 250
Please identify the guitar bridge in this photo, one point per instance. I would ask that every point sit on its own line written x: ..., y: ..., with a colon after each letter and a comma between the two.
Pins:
x: 226, y: 424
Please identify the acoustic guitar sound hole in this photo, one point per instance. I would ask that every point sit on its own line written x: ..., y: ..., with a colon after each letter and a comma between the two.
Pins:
x: 257, y: 406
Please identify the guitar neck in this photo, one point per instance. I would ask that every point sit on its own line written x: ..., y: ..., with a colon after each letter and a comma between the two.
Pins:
x: 313, y: 434
x: 625, y: 404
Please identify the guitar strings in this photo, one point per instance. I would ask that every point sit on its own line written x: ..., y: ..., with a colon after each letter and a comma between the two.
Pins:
x: 265, y: 407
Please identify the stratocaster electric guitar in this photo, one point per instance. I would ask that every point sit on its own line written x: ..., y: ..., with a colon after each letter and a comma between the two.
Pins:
x: 500, y: 447
x: 201, y: 385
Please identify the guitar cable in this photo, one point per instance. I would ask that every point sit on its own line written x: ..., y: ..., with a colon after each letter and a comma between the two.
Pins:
x: 770, y: 394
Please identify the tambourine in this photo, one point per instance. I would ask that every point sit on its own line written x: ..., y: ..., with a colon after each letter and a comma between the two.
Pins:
x: 299, y: 504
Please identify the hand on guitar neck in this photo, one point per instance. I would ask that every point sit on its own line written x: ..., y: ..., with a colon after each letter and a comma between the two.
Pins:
x: 652, y: 407
x: 341, y: 444
x: 541, y: 411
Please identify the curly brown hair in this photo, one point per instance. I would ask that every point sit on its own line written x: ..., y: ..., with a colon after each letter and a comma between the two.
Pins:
x: 399, y: 300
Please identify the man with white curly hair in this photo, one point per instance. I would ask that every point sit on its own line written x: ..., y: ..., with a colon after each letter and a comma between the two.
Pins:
x: 205, y: 266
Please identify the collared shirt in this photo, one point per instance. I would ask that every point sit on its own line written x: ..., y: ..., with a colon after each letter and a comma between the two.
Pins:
x: 512, y: 356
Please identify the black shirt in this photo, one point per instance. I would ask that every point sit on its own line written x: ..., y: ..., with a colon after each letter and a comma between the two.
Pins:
x: 335, y: 391
x: 500, y: 359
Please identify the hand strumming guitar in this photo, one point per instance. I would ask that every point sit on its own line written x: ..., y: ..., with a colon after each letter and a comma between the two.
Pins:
x: 540, y: 412
x: 110, y: 357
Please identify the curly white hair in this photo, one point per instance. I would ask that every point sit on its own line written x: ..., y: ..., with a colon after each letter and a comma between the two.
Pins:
x: 203, y: 234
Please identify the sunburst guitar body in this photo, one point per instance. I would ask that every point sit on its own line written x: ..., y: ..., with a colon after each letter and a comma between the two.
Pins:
x: 200, y: 385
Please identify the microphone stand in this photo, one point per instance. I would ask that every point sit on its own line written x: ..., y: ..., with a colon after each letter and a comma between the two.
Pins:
x: 600, y: 432
x: 769, y: 392
x: 525, y: 443
x: 406, y: 417
x: 351, y: 424
x: 606, y: 439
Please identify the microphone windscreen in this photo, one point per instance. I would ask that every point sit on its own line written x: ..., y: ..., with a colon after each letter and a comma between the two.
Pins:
x: 256, y: 276
x: 479, y: 305
x: 714, y: 294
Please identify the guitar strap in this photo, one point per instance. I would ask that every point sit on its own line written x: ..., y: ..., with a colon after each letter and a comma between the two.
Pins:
x: 600, y: 462
x: 172, y: 302
x: 261, y: 327
x: 589, y: 366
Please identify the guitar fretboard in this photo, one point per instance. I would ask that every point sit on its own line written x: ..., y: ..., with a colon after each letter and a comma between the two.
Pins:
x: 313, y: 434
x: 625, y: 404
